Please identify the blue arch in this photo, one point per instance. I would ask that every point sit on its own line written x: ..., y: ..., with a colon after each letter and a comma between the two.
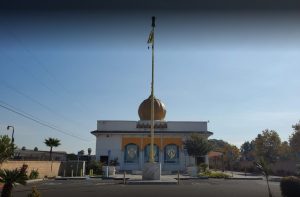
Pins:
x: 171, y: 153
x: 131, y: 153
x: 147, y: 153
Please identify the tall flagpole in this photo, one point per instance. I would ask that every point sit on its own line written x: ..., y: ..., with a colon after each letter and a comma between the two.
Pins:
x: 152, y: 160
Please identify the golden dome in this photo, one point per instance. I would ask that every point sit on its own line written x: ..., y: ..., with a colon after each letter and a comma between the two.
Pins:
x: 145, y: 109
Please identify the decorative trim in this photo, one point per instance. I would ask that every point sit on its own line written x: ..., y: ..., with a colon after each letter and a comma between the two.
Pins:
x: 148, y: 132
x: 159, y: 125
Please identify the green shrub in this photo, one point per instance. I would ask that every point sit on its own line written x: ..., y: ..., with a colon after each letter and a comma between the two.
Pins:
x: 202, y: 167
x: 11, y: 177
x: 290, y: 186
x: 34, y: 174
x: 96, y: 166
x: 218, y: 175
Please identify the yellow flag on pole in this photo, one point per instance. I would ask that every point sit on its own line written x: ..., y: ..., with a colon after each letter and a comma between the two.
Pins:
x: 151, y: 37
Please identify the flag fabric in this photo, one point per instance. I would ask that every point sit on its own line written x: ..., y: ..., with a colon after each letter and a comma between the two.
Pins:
x: 151, y: 37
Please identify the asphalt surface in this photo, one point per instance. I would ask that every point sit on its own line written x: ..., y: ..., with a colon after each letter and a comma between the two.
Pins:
x: 186, y: 188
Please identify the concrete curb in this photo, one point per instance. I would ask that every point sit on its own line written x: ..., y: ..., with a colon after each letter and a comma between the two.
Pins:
x: 119, y: 179
x: 29, y: 181
x: 140, y: 182
x: 275, y: 179
x: 70, y: 178
x: 95, y: 177
x: 91, y: 177
x: 155, y: 182
x: 244, y: 178
x: 34, y: 180
x: 192, y: 178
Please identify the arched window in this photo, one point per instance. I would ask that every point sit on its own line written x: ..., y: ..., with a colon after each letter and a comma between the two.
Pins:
x: 171, y: 153
x: 131, y: 154
x: 147, y: 153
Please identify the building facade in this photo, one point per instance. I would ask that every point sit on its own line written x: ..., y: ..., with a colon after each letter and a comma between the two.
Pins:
x: 128, y: 142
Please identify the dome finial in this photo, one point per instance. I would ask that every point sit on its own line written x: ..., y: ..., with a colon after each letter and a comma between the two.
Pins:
x: 145, y: 109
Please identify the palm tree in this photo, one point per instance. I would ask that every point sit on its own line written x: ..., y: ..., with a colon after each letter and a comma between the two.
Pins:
x: 10, y: 178
x: 7, y: 148
x: 52, y: 142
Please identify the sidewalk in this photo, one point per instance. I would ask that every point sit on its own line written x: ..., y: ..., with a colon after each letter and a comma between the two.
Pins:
x: 236, y: 175
x: 137, y: 179
x: 250, y: 176
x: 174, y: 177
x: 163, y: 177
x: 28, y: 181
x: 242, y: 176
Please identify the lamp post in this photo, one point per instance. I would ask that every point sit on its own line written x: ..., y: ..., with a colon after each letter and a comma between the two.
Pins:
x: 13, y: 131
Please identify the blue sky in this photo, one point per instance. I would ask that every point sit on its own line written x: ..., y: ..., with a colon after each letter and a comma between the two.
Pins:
x: 239, y: 71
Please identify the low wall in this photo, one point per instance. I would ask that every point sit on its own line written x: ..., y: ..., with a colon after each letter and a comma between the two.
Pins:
x: 281, y: 168
x: 43, y: 167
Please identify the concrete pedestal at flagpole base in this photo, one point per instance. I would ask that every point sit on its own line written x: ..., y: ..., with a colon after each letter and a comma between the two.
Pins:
x: 152, y: 171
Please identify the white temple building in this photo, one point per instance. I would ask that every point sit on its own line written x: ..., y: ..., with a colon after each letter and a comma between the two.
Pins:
x: 128, y: 142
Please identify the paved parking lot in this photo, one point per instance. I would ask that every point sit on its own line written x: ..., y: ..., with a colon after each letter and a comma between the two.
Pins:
x: 187, y: 188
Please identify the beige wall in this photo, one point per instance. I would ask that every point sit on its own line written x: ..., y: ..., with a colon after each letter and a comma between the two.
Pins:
x: 287, y: 166
x: 44, y: 167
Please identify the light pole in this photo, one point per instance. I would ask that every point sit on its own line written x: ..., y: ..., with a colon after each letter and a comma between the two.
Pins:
x: 12, y: 136
x: 77, y: 162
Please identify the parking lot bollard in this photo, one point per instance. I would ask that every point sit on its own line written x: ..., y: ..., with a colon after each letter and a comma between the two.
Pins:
x: 124, y: 178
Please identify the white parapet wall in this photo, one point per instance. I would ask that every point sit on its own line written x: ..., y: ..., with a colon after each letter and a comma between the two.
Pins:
x: 131, y: 126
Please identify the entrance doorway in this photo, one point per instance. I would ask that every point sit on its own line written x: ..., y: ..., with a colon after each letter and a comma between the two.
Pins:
x: 104, y: 159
